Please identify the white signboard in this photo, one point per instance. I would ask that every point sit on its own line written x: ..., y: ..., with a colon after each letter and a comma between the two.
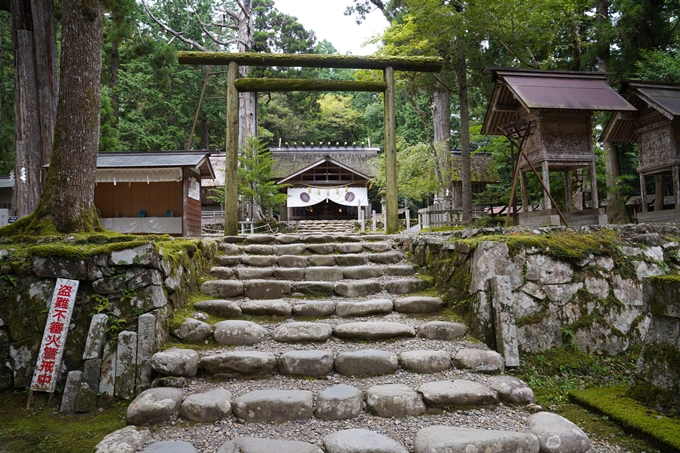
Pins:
x: 194, y: 189
x: 54, y: 338
x: 4, y: 217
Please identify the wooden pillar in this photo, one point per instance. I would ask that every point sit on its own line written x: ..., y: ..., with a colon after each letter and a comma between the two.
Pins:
x: 231, y: 161
x: 643, y: 192
x: 546, y: 181
x: 676, y: 186
x: 567, y: 191
x: 658, y: 193
x: 594, y: 198
x: 392, y: 220
x: 523, y: 189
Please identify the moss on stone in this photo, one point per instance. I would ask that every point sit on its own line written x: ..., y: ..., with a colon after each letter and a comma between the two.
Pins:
x: 613, y: 402
x: 564, y: 245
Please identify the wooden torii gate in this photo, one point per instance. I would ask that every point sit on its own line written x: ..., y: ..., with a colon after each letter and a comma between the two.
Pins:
x: 234, y: 85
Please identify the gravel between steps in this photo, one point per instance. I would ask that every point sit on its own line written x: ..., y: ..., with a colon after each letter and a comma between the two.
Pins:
x: 208, y: 437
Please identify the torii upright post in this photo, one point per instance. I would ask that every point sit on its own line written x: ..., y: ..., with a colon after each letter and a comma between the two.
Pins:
x: 231, y: 160
x: 392, y: 219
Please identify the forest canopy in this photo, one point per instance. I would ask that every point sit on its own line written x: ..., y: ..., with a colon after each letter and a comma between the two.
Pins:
x: 150, y: 102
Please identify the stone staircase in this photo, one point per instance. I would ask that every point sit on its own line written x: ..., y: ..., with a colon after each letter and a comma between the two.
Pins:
x: 325, y: 227
x: 313, y: 343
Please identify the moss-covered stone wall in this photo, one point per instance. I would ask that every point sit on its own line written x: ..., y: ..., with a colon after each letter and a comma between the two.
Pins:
x: 123, y: 279
x: 657, y: 378
x: 581, y: 287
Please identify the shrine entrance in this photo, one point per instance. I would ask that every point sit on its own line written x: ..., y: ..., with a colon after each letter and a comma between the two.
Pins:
x: 235, y: 84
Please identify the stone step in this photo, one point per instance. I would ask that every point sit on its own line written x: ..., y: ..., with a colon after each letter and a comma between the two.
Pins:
x: 542, y: 431
x: 258, y: 288
x: 295, y: 269
x: 268, y: 259
x: 359, y: 361
x: 339, y: 402
x: 316, y: 237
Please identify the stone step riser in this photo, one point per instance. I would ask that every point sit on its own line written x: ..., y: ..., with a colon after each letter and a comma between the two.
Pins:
x: 269, y: 289
x: 230, y: 309
x: 391, y: 400
x: 366, y: 362
x: 312, y: 238
x: 312, y: 273
x: 299, y: 260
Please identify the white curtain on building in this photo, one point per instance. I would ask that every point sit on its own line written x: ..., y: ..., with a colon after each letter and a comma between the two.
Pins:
x: 350, y: 196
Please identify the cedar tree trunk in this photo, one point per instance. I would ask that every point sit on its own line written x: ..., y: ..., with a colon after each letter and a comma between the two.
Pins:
x: 68, y: 199
x: 35, y: 92
x: 465, y: 177
x: 441, y: 118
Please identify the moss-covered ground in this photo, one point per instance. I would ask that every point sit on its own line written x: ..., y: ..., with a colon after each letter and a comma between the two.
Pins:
x: 612, y: 403
x: 556, y: 374
x: 44, y: 429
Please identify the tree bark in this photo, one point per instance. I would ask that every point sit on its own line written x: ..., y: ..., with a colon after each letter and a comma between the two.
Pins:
x: 68, y: 199
x: 247, y: 101
x: 115, y: 63
x: 36, y: 92
x: 247, y: 111
x: 441, y: 118
x: 205, y: 132
x: 45, y: 52
x: 465, y: 177
x: 26, y: 127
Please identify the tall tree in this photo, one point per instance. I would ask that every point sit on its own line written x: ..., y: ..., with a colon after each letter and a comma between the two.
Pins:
x: 35, y: 95
x: 68, y: 198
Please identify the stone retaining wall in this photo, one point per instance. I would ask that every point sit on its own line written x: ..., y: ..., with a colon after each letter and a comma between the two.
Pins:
x: 126, y: 283
x: 525, y: 299
x: 657, y: 379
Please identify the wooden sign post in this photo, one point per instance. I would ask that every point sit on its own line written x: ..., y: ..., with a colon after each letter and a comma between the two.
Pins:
x: 54, y: 339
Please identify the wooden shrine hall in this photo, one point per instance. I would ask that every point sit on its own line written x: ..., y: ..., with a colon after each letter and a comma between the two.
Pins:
x: 556, y: 108
x: 655, y: 127
x: 324, y: 182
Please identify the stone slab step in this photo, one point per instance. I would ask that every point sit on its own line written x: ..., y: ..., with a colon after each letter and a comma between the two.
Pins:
x: 339, y: 402
x: 301, y: 238
x: 259, y: 288
x: 435, y: 330
x: 373, y: 330
x: 179, y: 362
x: 274, y: 405
x: 432, y: 439
x: 319, y: 259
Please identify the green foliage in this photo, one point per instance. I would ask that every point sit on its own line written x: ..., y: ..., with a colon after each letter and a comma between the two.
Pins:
x: 416, y: 176
x: 613, y: 403
x: 254, y: 177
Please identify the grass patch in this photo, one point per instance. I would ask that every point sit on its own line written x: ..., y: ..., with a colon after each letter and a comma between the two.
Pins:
x: 556, y: 374
x: 552, y: 374
x: 44, y: 429
x: 612, y: 403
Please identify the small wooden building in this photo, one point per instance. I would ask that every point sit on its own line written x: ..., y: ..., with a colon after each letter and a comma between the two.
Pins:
x: 157, y: 192
x: 324, y: 182
x: 482, y: 173
x: 655, y: 127
x: 560, y: 105
x: 6, y: 191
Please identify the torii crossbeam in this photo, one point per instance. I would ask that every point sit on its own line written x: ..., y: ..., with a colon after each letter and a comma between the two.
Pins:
x: 387, y: 64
